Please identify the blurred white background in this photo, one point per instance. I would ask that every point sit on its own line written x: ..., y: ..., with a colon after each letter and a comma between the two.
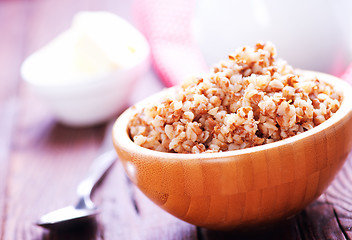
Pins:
x: 309, y: 34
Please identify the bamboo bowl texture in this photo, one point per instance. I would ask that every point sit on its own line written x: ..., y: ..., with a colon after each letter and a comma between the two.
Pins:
x: 243, y: 188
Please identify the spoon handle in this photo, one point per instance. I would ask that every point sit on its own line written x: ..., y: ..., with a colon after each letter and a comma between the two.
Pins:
x: 97, y: 170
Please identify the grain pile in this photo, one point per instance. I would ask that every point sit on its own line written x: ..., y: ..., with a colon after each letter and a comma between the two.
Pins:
x: 251, y: 99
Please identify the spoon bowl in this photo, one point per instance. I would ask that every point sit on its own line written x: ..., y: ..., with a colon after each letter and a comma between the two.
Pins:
x: 66, y: 216
x: 241, y: 188
x: 84, y: 209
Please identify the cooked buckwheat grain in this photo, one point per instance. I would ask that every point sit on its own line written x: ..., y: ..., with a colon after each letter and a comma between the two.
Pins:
x: 251, y: 99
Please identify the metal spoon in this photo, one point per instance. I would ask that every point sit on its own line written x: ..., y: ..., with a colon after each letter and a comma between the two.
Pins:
x: 85, y: 208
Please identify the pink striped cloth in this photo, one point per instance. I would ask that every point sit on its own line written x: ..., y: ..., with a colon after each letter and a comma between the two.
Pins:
x: 348, y: 75
x: 167, y: 27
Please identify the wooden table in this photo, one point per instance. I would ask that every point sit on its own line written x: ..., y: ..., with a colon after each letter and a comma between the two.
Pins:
x: 42, y: 161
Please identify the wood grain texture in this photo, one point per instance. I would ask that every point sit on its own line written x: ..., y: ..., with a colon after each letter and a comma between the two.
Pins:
x: 11, y: 48
x: 243, y: 188
x: 128, y: 214
x: 41, y: 161
x: 48, y: 159
x: 42, y: 154
x: 339, y: 196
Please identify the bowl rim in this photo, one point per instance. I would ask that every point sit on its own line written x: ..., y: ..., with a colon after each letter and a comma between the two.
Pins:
x: 121, y: 137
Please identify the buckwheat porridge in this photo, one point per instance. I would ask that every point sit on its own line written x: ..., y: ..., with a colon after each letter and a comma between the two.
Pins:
x: 253, y: 98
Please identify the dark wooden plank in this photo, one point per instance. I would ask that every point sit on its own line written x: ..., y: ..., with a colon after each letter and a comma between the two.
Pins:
x: 158, y: 224
x: 46, y: 167
x: 87, y: 231
x: 329, y: 217
x: 318, y: 221
x: 11, y: 40
x: 285, y: 230
x: 339, y: 195
x: 128, y: 214
x: 119, y: 217
x: 44, y: 153
x: 47, y: 160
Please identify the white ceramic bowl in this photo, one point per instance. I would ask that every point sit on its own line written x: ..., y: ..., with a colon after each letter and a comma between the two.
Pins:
x: 92, y: 99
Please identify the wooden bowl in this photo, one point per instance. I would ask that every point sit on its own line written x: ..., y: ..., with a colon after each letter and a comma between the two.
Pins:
x: 241, y: 188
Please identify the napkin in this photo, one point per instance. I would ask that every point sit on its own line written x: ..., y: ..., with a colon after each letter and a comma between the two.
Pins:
x: 167, y: 26
x: 347, y: 76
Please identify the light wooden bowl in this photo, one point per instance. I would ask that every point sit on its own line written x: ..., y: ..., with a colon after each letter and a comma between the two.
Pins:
x: 242, y: 188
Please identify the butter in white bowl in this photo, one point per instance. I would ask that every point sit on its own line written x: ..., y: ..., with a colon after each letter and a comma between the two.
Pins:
x: 86, y: 73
